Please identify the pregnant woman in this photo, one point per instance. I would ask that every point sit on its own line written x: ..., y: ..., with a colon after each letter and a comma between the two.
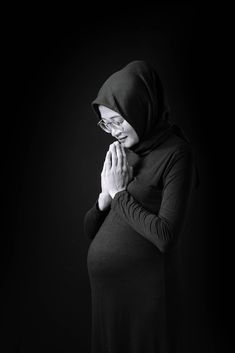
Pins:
x: 135, y: 224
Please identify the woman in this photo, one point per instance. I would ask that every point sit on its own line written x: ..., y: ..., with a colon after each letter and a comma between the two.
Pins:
x: 135, y: 224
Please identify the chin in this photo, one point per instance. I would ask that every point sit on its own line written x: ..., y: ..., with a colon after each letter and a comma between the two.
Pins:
x: 128, y: 143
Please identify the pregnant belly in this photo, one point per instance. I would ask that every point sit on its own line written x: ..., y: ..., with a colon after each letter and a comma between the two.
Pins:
x: 118, y: 250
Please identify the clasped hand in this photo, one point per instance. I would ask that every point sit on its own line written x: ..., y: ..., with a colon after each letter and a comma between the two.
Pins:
x: 116, y: 173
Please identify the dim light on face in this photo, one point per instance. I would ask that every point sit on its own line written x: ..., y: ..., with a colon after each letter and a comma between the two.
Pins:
x: 115, y: 124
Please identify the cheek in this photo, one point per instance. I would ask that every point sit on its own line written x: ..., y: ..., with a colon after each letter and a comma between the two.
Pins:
x: 133, y: 135
x: 129, y: 132
x: 131, y: 138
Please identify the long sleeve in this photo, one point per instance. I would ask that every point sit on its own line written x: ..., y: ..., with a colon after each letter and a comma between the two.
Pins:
x: 162, y: 229
x: 93, y: 219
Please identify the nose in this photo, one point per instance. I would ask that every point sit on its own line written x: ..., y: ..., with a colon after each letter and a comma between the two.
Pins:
x: 115, y: 134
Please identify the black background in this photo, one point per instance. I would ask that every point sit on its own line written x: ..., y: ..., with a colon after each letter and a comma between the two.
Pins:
x: 54, y: 62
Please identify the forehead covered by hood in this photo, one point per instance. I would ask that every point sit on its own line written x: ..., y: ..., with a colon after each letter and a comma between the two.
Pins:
x: 136, y: 93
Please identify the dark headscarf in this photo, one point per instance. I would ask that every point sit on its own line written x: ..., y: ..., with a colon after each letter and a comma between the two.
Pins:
x: 137, y: 94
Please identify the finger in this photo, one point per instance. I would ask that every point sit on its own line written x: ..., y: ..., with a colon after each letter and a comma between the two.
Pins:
x: 123, y: 149
x: 119, y: 156
x: 112, y: 149
x: 108, y: 161
x: 105, y: 160
x: 124, y: 159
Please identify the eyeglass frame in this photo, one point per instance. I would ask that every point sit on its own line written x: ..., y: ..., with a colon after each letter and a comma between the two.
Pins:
x: 116, y: 125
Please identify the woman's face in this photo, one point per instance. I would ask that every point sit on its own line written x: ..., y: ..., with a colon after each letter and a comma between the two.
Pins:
x: 129, y: 135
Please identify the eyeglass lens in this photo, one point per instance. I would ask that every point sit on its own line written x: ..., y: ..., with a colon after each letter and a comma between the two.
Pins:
x: 108, y: 127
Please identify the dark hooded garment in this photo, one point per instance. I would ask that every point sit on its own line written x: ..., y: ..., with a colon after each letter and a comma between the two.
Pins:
x: 133, y: 255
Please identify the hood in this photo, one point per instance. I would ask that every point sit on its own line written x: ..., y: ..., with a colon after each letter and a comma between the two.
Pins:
x: 136, y: 93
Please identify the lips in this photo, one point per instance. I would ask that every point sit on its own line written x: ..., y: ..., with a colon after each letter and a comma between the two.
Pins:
x: 122, y: 138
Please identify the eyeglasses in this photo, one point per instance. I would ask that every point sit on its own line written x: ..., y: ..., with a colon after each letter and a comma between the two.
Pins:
x: 107, y: 127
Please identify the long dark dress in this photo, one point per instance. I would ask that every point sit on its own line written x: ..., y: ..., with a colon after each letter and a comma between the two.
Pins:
x: 132, y: 258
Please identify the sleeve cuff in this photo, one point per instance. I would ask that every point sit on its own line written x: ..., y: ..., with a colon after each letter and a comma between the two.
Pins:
x: 117, y: 196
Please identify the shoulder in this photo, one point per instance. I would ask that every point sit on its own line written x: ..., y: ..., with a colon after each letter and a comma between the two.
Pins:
x: 180, y: 164
x: 178, y: 156
x: 172, y: 148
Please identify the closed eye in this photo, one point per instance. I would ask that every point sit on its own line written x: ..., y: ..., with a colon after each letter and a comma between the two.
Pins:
x: 116, y: 119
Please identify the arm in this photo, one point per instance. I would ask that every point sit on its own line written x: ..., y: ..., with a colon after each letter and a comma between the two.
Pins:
x: 162, y: 229
x: 94, y: 217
